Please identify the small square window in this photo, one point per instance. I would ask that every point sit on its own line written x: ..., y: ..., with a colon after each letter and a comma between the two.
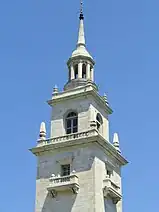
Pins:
x: 65, y: 170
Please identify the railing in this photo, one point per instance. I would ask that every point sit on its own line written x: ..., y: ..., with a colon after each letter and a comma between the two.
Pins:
x: 62, y: 184
x: 109, y: 183
x: 111, y: 189
x: 61, y: 180
x: 115, y: 186
x: 69, y: 137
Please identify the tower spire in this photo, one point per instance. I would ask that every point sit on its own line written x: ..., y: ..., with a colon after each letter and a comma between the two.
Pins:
x: 81, y: 36
x: 81, y: 63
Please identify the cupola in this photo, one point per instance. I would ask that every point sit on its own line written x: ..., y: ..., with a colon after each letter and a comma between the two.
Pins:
x: 81, y: 63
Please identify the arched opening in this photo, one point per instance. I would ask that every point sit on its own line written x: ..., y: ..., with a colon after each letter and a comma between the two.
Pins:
x: 69, y: 74
x: 84, y: 71
x: 71, y: 123
x: 76, y: 71
x: 99, y: 122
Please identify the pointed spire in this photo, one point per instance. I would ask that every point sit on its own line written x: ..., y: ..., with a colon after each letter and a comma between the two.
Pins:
x: 81, y: 37
x: 116, y: 142
x: 42, y: 135
x: 81, y: 45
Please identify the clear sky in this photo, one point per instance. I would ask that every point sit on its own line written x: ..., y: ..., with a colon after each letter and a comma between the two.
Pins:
x: 36, y: 39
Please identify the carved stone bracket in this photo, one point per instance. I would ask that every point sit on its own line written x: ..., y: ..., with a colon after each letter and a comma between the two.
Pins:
x: 115, y: 198
x: 53, y: 193
x: 105, y: 191
x: 75, y: 189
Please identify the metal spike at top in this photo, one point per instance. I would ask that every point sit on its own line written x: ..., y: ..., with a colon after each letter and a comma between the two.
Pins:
x: 81, y: 10
x: 81, y: 37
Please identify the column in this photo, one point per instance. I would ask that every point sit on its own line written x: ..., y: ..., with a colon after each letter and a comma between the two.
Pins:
x: 72, y: 72
x: 79, y: 70
x: 88, y: 71
x: 92, y: 74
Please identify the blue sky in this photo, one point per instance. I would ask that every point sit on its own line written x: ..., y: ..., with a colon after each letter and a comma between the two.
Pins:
x: 36, y: 39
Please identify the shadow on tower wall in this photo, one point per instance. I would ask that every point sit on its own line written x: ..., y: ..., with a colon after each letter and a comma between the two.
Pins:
x: 109, y: 205
x: 64, y: 201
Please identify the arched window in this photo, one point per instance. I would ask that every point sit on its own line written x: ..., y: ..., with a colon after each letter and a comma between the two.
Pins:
x: 99, y: 121
x: 71, y: 123
x: 84, y: 71
x: 76, y: 71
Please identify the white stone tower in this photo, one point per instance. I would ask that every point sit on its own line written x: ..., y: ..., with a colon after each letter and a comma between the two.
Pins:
x: 78, y: 167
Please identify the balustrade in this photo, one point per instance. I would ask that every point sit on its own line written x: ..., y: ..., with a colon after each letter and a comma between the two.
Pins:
x: 112, y: 190
x: 64, y: 183
x: 71, y: 136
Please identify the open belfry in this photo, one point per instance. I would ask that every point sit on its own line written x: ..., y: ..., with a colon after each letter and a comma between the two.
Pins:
x: 78, y: 167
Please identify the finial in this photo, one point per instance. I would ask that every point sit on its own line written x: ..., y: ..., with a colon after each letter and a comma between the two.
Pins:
x: 116, y: 142
x: 105, y: 99
x: 42, y: 135
x: 55, y: 90
x: 81, y: 10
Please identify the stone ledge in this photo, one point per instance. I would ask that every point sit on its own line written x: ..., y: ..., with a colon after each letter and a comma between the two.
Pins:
x: 80, y: 92
x: 81, y: 138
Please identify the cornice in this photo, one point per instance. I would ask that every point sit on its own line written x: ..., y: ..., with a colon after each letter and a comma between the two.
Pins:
x: 95, y: 138
x: 80, y: 57
x: 80, y: 92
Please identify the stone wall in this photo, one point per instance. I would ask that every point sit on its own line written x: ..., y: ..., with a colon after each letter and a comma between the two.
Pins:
x: 88, y: 162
